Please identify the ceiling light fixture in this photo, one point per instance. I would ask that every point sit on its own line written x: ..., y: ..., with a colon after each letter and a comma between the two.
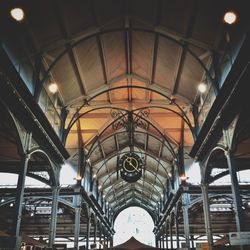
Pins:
x: 183, y: 178
x: 17, y: 14
x: 230, y: 17
x: 202, y: 87
x: 53, y: 88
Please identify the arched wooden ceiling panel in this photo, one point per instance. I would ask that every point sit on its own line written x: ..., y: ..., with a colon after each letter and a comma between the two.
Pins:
x: 114, y: 54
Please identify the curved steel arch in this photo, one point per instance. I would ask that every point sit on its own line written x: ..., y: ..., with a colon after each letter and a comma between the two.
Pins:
x: 35, y: 150
x: 136, y: 204
x: 163, y: 136
x: 123, y: 29
x: 136, y: 132
x: 121, y: 189
x: 206, y: 168
x: 211, y: 196
x: 39, y: 178
x: 117, y: 182
x: 127, y: 192
x: 123, y: 152
x: 185, y: 118
x: 146, y: 169
x: 150, y: 171
x: 142, y: 199
x: 76, y: 114
x: 12, y: 118
x: 136, y: 194
x: 117, y: 119
x: 38, y: 198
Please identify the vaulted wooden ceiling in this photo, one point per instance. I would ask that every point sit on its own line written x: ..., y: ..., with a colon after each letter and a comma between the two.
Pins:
x: 115, y: 57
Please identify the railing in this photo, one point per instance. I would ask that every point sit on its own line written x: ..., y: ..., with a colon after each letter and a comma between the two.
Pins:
x: 224, y: 66
x: 52, y: 113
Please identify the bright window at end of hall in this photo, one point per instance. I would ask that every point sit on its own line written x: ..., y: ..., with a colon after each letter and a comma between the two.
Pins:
x: 136, y: 222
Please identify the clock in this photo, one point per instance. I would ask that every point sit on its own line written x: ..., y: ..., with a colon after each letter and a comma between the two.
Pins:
x: 130, y: 166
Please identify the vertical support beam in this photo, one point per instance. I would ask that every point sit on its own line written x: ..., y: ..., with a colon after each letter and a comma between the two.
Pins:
x: 239, y: 217
x: 95, y: 231
x: 177, y: 231
x: 19, y: 198
x: 192, y: 241
x: 156, y: 241
x: 185, y: 206
x: 171, y: 233
x: 237, y: 201
x: 88, y: 232
x: 77, y: 200
x: 20, y: 190
x: 207, y: 217
x: 167, y: 235
x: 77, y: 227
x: 100, y: 235
x: 52, y: 226
x: 111, y: 241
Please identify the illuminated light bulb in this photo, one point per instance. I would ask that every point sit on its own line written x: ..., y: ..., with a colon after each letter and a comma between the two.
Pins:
x: 11, y: 204
x: 230, y: 17
x: 202, y: 87
x: 94, y: 176
x: 78, y: 178
x: 100, y: 187
x: 53, y: 88
x: 31, y: 214
x: 17, y: 14
x: 183, y: 178
x: 2, y: 200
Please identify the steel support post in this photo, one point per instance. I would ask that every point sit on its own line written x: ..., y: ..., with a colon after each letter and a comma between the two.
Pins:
x: 166, y: 235
x: 88, y: 233
x: 207, y: 217
x: 100, y: 236
x: 95, y: 231
x: 156, y: 241
x: 111, y: 241
x: 237, y: 201
x: 19, y: 198
x: 192, y: 241
x: 185, y: 206
x: 171, y: 235
x: 77, y: 200
x: 77, y: 227
x: 53, y: 219
x: 177, y: 232
x: 239, y: 217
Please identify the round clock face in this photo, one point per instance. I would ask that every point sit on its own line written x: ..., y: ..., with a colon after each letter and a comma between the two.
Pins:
x: 130, y: 166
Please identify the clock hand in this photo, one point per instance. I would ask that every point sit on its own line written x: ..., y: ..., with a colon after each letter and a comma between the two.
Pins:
x: 134, y: 167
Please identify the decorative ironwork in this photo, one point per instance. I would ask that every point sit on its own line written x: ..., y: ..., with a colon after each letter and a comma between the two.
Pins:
x: 115, y: 114
x: 139, y: 122
x: 130, y: 121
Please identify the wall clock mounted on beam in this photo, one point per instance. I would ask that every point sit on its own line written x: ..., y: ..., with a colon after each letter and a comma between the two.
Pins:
x: 130, y: 166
